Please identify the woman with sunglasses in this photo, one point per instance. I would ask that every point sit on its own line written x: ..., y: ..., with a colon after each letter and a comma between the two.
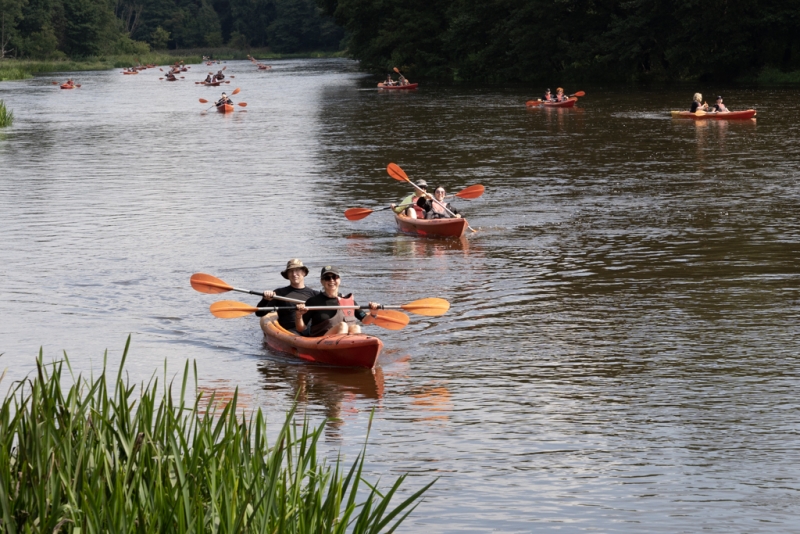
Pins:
x: 437, y: 208
x: 323, y: 323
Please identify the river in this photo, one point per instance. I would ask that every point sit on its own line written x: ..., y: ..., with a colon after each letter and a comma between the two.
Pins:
x: 621, y: 354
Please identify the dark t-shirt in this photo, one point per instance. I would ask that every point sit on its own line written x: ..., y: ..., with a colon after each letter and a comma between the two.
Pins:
x: 286, y: 317
x: 313, y: 317
x: 695, y: 106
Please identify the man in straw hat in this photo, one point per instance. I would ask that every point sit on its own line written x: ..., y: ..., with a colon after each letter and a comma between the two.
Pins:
x: 296, y: 273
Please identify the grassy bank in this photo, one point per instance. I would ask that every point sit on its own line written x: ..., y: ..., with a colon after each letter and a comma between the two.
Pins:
x: 108, y: 456
x: 6, y: 117
x: 19, y: 69
x: 772, y: 76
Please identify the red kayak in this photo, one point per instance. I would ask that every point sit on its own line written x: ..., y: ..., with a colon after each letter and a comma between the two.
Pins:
x: 67, y: 86
x: 431, y: 227
x: 212, y: 84
x: 565, y: 104
x: 352, y: 350
x: 398, y: 87
x: 723, y: 115
x: 129, y: 72
x: 225, y: 108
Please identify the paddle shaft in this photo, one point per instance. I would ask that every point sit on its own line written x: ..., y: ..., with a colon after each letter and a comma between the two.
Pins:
x: 276, y: 297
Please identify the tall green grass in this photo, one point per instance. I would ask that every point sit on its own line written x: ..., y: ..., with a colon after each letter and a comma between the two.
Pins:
x: 225, y: 53
x: 6, y: 117
x: 19, y: 69
x: 102, y: 457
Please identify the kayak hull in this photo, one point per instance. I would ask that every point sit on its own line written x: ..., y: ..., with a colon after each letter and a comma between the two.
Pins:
x: 225, y: 108
x: 127, y: 72
x: 354, y: 350
x: 67, y: 86
x: 725, y: 115
x: 565, y: 104
x: 431, y: 227
x: 213, y: 84
x: 398, y: 87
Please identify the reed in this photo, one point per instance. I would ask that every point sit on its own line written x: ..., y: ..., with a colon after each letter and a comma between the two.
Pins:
x: 6, y: 117
x: 98, y: 457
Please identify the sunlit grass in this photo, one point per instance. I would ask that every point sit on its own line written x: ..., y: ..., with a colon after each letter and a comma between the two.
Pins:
x: 106, y: 456
x: 777, y: 76
x: 6, y: 117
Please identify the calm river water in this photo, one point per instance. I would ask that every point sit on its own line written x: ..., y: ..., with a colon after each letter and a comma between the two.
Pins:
x: 622, y: 350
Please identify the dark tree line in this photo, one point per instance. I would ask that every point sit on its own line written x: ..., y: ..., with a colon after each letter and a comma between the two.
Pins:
x: 520, y: 40
x: 46, y: 29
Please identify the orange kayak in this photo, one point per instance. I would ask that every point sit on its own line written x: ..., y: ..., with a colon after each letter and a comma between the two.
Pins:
x: 67, y: 86
x: 127, y: 72
x: 225, y: 108
x: 431, y: 227
x: 398, y: 87
x: 354, y: 350
x: 565, y: 104
x: 724, y: 115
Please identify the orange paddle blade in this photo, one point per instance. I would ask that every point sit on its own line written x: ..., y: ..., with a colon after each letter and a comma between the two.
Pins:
x: 580, y: 93
x: 473, y: 191
x: 431, y: 307
x: 205, y: 283
x: 396, y: 172
x: 203, y: 101
x: 356, y: 214
x: 236, y: 91
x: 230, y: 309
x: 242, y: 104
x: 388, y: 319
x: 396, y: 70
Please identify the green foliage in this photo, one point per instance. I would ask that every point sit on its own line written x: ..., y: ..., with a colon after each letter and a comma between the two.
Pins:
x: 104, y: 457
x: 238, y: 41
x: 6, y: 117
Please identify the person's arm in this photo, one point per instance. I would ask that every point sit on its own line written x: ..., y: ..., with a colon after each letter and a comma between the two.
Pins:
x: 265, y: 302
x: 300, y: 318
x: 361, y: 314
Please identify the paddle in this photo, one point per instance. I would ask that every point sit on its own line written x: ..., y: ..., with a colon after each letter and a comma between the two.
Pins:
x: 397, y: 173
x: 356, y: 214
x: 391, y: 320
x: 205, y: 283
x: 471, y: 192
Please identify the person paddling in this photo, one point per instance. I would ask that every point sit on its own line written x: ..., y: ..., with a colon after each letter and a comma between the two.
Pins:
x: 547, y: 97
x: 323, y: 323
x: 224, y: 100
x: 560, y: 95
x: 209, y: 78
x: 296, y: 273
x: 719, y: 107
x: 410, y: 206
x: 389, y: 81
x: 696, y: 105
x: 403, y: 81
x: 219, y: 76
x: 171, y: 77
x: 438, y: 208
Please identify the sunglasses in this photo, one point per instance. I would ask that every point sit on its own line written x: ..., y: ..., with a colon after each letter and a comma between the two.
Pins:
x: 329, y: 277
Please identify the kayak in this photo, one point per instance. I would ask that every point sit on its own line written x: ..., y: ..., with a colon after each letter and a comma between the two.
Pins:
x: 431, y: 227
x: 398, y: 87
x: 128, y: 72
x: 565, y: 104
x: 67, y: 86
x: 214, y: 84
x: 351, y: 350
x: 724, y: 115
x: 264, y: 67
x: 225, y: 108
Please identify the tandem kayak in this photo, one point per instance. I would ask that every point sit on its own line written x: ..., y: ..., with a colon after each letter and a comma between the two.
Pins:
x: 352, y: 350
x: 723, y: 115
x: 213, y: 84
x: 565, y: 104
x: 431, y: 227
x: 398, y: 87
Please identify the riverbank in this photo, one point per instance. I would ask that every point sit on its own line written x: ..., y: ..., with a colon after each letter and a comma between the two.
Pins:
x: 20, y: 69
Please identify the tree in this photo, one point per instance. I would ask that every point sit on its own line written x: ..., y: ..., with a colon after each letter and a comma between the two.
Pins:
x: 10, y: 13
x: 159, y: 38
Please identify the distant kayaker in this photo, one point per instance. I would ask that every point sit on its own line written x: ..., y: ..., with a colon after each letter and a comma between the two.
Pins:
x: 696, y: 103
x: 224, y: 100
x: 389, y: 81
x: 402, y: 81
x: 70, y: 83
x: 322, y: 323
x: 220, y: 76
x: 438, y: 208
x: 547, y: 97
x: 719, y: 107
x: 409, y: 206
x: 209, y: 78
x: 171, y: 77
x: 560, y: 95
x: 296, y: 273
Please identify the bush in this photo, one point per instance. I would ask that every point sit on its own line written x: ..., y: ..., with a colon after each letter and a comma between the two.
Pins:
x: 6, y: 117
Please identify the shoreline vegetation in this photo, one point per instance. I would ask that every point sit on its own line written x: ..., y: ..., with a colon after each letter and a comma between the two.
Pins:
x: 6, y: 116
x: 108, y: 456
x: 20, y: 69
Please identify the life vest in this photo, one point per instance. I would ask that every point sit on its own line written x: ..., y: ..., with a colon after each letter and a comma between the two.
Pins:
x: 349, y: 315
x: 438, y: 211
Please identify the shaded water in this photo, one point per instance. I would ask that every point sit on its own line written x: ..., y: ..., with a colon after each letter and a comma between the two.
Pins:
x: 622, y: 350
